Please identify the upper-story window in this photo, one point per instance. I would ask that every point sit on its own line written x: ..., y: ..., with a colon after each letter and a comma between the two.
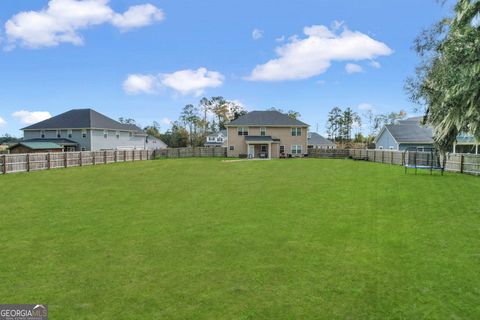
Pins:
x: 70, y: 133
x: 84, y: 133
x: 130, y: 134
x: 296, y: 132
x: 211, y: 139
x: 117, y: 134
x: 59, y: 134
x: 105, y: 134
x: 219, y: 139
x: 263, y: 131
x: 242, y: 131
x: 42, y: 134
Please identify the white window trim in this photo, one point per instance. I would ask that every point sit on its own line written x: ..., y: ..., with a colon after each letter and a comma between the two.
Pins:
x: 105, y: 134
x: 263, y: 130
x: 84, y: 133
x: 231, y: 148
x: 42, y: 134
x: 58, y: 133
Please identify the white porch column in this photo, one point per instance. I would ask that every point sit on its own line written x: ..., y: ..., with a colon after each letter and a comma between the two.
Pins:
x: 476, y: 148
x: 269, y: 150
x: 454, y: 147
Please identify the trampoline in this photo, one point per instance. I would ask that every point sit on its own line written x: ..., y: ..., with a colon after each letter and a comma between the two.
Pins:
x: 423, y: 160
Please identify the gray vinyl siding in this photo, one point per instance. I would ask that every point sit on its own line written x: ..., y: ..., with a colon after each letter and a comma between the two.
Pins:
x: 386, y: 140
x: 99, y: 142
x: 411, y: 146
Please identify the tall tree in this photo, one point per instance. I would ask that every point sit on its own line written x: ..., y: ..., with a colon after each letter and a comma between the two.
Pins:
x: 206, y: 107
x: 220, y: 108
x: 334, y: 123
x: 189, y: 117
x: 447, y: 80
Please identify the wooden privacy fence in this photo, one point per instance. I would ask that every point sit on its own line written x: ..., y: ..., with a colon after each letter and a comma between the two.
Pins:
x: 191, y: 152
x: 10, y: 163
x: 329, y: 153
x: 462, y: 163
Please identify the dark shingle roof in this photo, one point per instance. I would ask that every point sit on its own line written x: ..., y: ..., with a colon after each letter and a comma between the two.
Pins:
x: 409, y: 133
x: 82, y: 119
x: 259, y: 138
x: 266, y: 118
x: 38, y: 145
x: 316, y: 139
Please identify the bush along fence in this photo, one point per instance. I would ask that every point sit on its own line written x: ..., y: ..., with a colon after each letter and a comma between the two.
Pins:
x: 329, y: 153
x: 191, y: 152
x: 462, y: 163
x: 10, y: 163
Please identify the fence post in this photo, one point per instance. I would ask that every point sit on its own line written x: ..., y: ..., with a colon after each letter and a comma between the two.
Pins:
x: 105, y: 156
x: 4, y: 169
x: 462, y: 159
x: 65, y: 159
x: 94, y: 158
x: 115, y: 155
x: 374, y: 155
x: 28, y: 162
x: 141, y: 155
x: 49, y: 165
x: 80, y: 160
x: 133, y: 155
x: 383, y: 155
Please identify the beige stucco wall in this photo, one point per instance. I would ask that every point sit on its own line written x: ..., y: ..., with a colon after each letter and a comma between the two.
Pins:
x: 282, y: 133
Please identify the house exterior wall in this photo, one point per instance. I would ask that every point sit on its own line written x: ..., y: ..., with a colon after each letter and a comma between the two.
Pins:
x: 385, y: 141
x: 153, y: 143
x: 52, y: 134
x: 282, y: 133
x: 124, y: 141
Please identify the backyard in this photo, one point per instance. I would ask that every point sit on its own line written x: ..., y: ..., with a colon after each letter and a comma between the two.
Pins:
x: 208, y: 239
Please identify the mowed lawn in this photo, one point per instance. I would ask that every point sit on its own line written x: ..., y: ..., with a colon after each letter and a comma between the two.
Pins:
x: 206, y: 239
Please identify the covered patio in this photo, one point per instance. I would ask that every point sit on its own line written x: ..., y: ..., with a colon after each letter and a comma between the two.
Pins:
x: 262, y: 147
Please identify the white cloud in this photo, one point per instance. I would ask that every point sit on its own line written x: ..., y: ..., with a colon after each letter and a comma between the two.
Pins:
x: 183, y: 81
x: 257, y: 34
x: 365, y: 107
x: 192, y: 81
x: 353, y: 68
x: 138, y: 83
x: 280, y: 39
x: 313, y: 55
x: 138, y: 16
x: 61, y: 21
x: 3, y: 123
x: 375, y: 64
x: 31, y: 117
x: 166, y: 121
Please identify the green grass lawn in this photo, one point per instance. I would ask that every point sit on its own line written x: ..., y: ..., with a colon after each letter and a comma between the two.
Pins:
x: 206, y: 239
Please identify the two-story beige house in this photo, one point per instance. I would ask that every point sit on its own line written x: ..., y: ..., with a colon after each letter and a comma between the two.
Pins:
x: 266, y: 134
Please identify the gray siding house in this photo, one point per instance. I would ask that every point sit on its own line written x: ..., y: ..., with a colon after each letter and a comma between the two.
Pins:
x: 317, y: 141
x: 88, y: 130
x: 407, y: 134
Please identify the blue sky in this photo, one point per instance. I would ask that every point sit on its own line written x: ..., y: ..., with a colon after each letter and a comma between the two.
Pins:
x: 147, y: 59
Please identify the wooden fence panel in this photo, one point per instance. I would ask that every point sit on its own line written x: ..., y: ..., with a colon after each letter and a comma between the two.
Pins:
x: 329, y: 153
x: 190, y: 152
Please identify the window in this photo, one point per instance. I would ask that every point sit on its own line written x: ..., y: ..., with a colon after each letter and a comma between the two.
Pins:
x: 420, y: 149
x: 117, y: 134
x: 263, y: 131
x: 130, y: 134
x: 70, y: 133
x: 58, y: 133
x: 232, y: 148
x: 219, y: 139
x: 296, y: 132
x: 391, y: 148
x: 381, y: 147
x: 297, y: 150
x: 84, y: 149
x: 263, y: 148
x: 84, y: 133
x: 242, y: 131
x: 282, y: 149
x: 105, y: 134
x: 211, y: 139
x: 42, y: 134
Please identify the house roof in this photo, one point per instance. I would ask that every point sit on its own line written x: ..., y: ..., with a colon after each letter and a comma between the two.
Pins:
x: 411, y: 120
x: 410, y: 133
x: 222, y: 132
x: 59, y: 141
x: 266, y: 118
x: 82, y: 119
x: 316, y: 139
x: 259, y: 139
x: 38, y: 145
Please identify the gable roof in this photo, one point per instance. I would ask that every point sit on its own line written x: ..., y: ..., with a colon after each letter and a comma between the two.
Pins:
x: 82, y: 119
x: 266, y: 118
x: 316, y: 139
x: 410, y: 133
